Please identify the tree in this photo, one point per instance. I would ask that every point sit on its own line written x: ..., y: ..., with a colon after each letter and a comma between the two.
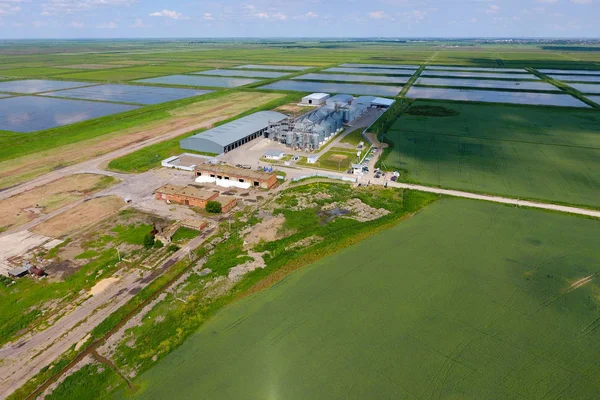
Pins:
x: 214, y: 207
x: 148, y: 240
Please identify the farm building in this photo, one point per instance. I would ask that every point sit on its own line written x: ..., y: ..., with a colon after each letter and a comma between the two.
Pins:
x: 229, y: 136
x: 315, y: 99
x: 187, y: 195
x: 227, y: 176
x: 192, y: 196
x: 312, y: 159
x: 274, y: 154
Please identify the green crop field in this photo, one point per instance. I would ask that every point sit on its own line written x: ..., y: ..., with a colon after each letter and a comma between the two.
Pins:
x: 505, y: 308
x: 532, y: 152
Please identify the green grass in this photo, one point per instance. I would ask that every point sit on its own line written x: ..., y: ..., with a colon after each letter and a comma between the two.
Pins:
x: 88, y: 383
x: 20, y: 303
x: 110, y: 75
x: 488, y: 315
x: 528, y: 152
x: 184, y: 233
x: 354, y: 138
x: 132, y: 234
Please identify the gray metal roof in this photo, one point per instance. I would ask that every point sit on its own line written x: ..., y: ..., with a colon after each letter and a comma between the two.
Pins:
x: 240, y: 128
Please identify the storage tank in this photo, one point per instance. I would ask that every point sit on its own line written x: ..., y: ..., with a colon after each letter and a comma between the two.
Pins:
x: 289, y: 138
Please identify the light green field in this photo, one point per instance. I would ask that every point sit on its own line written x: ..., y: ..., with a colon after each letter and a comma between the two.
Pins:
x: 531, y: 152
x: 110, y: 75
x: 500, y: 310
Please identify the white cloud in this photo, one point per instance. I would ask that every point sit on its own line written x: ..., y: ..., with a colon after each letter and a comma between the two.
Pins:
x: 139, y: 24
x: 547, y: 1
x: 77, y: 24
x: 208, y: 16
x: 54, y: 7
x: 492, y: 9
x: 378, y: 15
x: 169, y: 14
x: 278, y: 16
x: 9, y: 7
x: 474, y: 20
x: 581, y: 1
x: 311, y: 15
x: 108, y: 25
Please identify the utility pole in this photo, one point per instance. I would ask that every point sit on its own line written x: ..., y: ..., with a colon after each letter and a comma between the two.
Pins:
x: 118, y: 253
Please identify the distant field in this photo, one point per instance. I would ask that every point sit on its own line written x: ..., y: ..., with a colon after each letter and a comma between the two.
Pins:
x: 110, y: 75
x: 501, y: 310
x: 547, y: 154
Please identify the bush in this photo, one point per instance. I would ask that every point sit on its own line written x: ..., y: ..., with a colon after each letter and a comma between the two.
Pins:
x: 148, y: 241
x: 214, y: 207
x: 158, y: 244
x: 173, y: 248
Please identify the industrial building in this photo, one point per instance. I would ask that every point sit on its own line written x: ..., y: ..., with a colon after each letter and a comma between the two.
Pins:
x: 229, y: 136
x: 228, y: 176
x: 315, y: 99
x: 193, y: 196
x: 313, y: 129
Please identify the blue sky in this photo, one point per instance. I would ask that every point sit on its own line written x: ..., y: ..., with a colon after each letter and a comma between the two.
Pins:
x: 303, y: 18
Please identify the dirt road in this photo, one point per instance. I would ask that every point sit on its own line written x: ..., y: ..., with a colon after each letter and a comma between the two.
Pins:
x: 297, y: 173
x: 95, y: 164
x: 25, y: 358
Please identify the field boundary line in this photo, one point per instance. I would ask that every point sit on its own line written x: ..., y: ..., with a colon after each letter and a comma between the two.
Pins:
x: 498, y: 199
x: 499, y: 139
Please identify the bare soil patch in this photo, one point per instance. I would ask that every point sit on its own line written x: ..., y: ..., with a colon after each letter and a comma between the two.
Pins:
x: 83, y: 216
x: 338, y: 157
x: 293, y: 109
x: 26, y: 206
x: 267, y: 230
x: 102, y: 286
x: 359, y: 211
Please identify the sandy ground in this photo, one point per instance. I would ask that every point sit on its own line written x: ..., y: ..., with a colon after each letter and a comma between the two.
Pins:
x: 294, y: 109
x: 265, y: 230
x: 101, y: 286
x: 28, y: 205
x: 202, y: 114
x: 83, y: 216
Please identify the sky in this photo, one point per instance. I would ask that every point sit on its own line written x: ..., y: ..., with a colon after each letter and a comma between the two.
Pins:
x: 298, y: 18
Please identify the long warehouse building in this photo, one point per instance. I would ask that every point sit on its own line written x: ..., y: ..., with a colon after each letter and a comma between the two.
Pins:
x: 229, y: 136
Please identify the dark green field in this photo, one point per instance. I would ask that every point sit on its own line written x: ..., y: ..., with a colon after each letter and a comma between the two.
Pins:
x: 501, y: 310
x: 530, y: 152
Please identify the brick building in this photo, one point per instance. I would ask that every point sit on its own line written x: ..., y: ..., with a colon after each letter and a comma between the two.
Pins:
x: 229, y: 176
x: 192, y: 196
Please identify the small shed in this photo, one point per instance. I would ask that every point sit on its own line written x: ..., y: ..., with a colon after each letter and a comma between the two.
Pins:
x: 37, y: 271
x: 274, y: 154
x: 356, y: 169
x: 382, y: 102
x: 312, y: 159
x: 18, y: 272
x: 315, y: 99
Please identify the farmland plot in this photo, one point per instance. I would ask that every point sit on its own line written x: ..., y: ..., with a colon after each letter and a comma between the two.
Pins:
x: 544, y: 154
x: 504, y: 308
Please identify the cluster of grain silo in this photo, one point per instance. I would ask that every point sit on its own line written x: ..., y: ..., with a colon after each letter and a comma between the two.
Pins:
x: 311, y: 130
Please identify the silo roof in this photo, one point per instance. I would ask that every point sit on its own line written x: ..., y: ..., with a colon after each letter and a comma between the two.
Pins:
x: 233, y: 131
